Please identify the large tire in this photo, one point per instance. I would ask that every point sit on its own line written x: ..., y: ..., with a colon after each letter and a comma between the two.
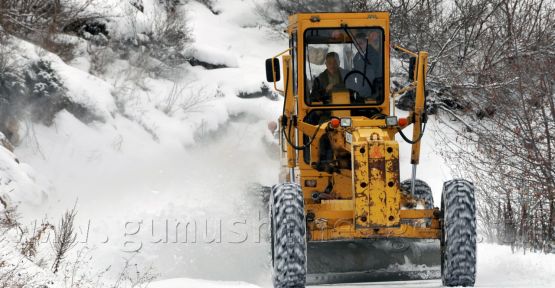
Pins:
x: 288, y: 236
x: 422, y: 191
x: 458, y: 239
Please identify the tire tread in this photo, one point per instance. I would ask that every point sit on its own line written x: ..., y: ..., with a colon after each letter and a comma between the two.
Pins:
x: 459, y: 234
x: 288, y: 235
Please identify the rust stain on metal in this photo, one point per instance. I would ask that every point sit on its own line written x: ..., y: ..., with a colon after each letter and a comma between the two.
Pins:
x: 376, y: 152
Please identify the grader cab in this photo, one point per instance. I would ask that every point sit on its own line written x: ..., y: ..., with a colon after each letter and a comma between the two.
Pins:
x: 341, y: 212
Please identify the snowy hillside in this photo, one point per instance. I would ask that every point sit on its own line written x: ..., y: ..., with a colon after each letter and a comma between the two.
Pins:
x: 142, y: 165
x: 160, y: 175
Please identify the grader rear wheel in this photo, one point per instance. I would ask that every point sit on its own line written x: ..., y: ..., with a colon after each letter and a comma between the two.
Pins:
x: 288, y: 236
x: 458, y: 240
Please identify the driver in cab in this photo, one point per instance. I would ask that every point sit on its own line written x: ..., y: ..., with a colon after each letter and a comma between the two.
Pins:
x: 367, y: 66
x: 330, y: 79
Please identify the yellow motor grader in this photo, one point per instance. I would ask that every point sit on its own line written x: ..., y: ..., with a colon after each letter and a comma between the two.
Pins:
x: 341, y: 213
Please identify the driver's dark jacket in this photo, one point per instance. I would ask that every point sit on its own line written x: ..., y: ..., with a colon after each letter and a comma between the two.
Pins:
x: 372, y: 69
x: 318, y: 92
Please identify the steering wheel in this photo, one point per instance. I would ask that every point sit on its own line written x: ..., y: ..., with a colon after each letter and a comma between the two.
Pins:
x: 355, y: 72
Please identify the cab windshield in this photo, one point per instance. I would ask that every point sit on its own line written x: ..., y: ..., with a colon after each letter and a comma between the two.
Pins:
x: 344, y: 66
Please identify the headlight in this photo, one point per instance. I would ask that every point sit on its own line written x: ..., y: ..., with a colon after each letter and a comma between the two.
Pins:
x: 346, y: 122
x: 391, y: 120
x: 310, y: 183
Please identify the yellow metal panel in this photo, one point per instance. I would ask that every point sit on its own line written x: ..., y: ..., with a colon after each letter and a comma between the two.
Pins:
x: 419, y: 213
x: 334, y: 215
x: 376, y: 187
x: 330, y: 214
x: 422, y: 65
x: 341, y: 113
x: 344, y: 16
x: 378, y: 207
x: 344, y: 205
x: 340, y: 98
x: 339, y: 232
x: 342, y: 188
x: 361, y: 188
x: 392, y: 187
x: 289, y: 110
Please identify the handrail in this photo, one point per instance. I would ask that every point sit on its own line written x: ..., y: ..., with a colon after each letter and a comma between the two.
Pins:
x: 274, y: 70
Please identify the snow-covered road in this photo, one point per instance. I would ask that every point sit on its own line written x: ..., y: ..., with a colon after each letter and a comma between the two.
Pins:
x: 497, y: 267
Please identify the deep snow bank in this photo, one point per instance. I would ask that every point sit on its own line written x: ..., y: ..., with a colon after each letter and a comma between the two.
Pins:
x: 140, y: 173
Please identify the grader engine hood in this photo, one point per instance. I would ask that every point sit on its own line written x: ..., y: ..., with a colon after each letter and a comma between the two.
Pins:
x: 375, y: 175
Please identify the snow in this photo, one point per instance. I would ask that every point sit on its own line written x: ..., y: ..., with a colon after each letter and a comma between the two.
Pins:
x: 18, y: 187
x: 140, y: 172
x: 17, y: 270
x: 184, y: 282
x: 498, y: 267
x: 18, y: 181
x: 143, y: 166
x: 91, y: 92
x: 83, y: 88
x: 213, y: 56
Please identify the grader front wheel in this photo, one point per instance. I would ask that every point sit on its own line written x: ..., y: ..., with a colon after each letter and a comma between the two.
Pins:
x: 422, y: 192
x: 288, y: 236
x: 422, y: 195
x: 458, y: 241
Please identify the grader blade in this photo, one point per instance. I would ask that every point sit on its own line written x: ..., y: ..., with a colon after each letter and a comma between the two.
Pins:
x: 372, y: 260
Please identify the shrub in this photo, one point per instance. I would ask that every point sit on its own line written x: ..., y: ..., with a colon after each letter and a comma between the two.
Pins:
x: 40, y: 20
x: 47, y: 94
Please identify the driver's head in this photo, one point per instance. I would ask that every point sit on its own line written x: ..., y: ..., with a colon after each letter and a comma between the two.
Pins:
x: 332, y: 62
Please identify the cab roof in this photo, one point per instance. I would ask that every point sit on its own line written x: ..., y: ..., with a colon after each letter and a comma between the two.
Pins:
x: 295, y: 18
